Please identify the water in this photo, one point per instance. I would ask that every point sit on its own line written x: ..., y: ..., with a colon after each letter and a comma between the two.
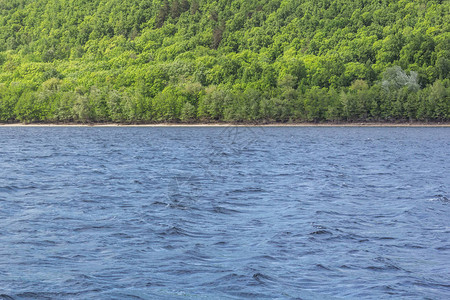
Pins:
x: 224, y: 213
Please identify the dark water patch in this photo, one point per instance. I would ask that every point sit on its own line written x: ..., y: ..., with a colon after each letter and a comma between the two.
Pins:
x: 261, y: 278
x: 384, y: 238
x: 322, y: 267
x: 8, y: 189
x: 384, y: 264
x: 224, y: 210
x: 443, y: 248
x: 265, y: 257
x: 321, y: 232
x: 92, y: 228
x: 174, y: 231
x: 433, y: 284
x: 413, y: 246
x: 46, y: 295
x: 441, y: 198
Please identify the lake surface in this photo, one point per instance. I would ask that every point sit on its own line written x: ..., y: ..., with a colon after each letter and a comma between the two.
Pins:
x: 224, y: 213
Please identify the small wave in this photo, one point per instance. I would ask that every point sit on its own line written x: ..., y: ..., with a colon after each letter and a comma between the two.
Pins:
x: 328, y: 212
x: 223, y: 210
x: 433, y: 283
x: 129, y: 295
x: 174, y: 231
x: 36, y: 242
x: 383, y: 268
x: 264, y: 257
x: 8, y: 189
x: 228, y: 280
x: 440, y: 198
x: 320, y: 266
x: 177, y: 206
x: 318, y: 232
x: 196, y: 256
x: 121, y: 235
x: 261, y: 277
x: 385, y: 265
x: 443, y: 248
x: 412, y: 246
x: 44, y: 295
x: 347, y: 267
x: 87, y: 228
x: 248, y: 190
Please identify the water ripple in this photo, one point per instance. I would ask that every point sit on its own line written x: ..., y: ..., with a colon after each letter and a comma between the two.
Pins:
x: 224, y: 213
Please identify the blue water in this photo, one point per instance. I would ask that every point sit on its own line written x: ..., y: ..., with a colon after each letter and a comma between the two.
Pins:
x: 224, y: 213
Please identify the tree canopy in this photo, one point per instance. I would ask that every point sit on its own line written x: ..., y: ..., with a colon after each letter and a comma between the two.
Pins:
x: 222, y: 60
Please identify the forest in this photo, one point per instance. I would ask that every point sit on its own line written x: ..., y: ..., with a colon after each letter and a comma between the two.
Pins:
x: 249, y: 61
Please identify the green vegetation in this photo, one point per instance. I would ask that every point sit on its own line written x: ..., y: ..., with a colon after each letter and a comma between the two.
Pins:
x: 222, y: 60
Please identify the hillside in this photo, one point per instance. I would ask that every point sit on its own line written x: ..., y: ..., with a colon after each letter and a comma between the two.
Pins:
x: 241, y: 61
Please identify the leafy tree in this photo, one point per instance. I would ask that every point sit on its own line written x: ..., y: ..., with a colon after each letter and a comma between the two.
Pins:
x: 188, y: 112
x: 162, y: 14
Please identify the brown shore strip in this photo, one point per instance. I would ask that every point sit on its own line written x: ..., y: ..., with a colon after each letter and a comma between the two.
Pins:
x: 356, y: 124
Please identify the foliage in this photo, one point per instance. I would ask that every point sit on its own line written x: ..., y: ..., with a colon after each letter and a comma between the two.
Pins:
x: 221, y: 60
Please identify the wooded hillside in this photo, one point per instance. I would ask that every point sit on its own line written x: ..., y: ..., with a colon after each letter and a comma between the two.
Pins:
x: 222, y: 60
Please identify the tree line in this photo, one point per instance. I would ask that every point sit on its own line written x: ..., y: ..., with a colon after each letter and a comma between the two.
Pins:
x: 142, y: 61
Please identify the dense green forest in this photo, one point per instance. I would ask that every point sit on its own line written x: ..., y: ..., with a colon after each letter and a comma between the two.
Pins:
x: 142, y: 61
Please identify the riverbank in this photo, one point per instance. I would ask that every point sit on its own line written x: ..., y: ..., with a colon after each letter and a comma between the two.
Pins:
x: 356, y: 124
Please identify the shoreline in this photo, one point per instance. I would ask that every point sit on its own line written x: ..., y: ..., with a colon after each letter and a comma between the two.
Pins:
x: 357, y: 124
